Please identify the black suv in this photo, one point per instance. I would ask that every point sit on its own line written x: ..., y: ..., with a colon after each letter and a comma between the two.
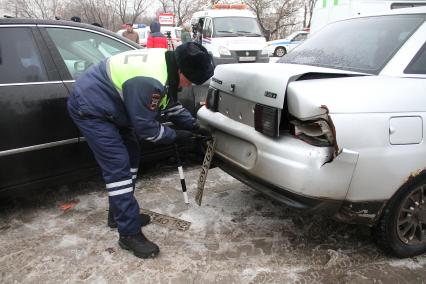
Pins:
x: 39, y: 62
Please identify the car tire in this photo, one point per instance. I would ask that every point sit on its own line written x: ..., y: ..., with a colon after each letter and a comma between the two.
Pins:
x: 280, y: 51
x: 401, y: 230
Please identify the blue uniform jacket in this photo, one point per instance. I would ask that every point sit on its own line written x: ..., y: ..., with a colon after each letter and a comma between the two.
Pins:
x: 138, y: 107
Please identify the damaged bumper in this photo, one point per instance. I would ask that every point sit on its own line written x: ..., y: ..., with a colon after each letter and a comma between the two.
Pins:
x: 313, y: 179
x: 285, y: 162
x: 363, y: 212
x: 308, y: 205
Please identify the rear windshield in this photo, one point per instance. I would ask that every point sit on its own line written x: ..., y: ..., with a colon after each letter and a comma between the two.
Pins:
x: 361, y: 45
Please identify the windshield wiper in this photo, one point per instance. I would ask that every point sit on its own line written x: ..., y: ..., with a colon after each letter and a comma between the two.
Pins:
x: 246, y: 33
x: 228, y: 33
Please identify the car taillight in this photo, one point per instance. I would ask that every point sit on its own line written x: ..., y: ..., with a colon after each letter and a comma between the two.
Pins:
x: 212, y: 101
x: 266, y: 120
x: 317, y: 132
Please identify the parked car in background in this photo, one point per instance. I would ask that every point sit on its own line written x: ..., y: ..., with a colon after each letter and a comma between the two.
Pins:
x: 337, y: 128
x: 281, y: 47
x: 39, y: 64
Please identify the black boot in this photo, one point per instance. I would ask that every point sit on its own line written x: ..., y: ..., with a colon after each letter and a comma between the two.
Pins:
x: 139, y: 245
x: 144, y: 219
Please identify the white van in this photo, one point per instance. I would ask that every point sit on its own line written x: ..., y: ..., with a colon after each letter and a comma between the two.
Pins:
x: 230, y: 35
x: 327, y: 11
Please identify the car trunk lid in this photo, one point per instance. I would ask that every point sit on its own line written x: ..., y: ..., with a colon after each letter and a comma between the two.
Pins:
x: 263, y: 83
x: 245, y: 89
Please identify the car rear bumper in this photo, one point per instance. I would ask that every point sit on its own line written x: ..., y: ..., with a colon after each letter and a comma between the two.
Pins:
x: 364, y: 212
x: 308, y: 205
x: 286, y: 163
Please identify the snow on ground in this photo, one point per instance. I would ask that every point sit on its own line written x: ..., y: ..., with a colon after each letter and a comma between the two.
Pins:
x: 236, y: 236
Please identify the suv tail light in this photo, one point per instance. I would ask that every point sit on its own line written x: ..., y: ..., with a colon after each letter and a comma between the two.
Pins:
x: 317, y: 132
x: 266, y: 120
x: 212, y: 101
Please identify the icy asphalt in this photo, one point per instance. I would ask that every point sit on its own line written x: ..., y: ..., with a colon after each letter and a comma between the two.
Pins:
x: 237, y: 236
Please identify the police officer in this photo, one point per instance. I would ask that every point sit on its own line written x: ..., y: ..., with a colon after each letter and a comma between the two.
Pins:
x: 115, y: 104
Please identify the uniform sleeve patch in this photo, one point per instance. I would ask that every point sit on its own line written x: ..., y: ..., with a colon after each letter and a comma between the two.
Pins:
x: 155, y: 100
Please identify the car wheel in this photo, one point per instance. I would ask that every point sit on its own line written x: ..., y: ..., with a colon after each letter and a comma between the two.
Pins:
x: 402, y: 228
x: 280, y: 51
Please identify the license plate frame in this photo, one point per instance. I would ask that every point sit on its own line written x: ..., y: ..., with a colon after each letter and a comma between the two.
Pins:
x: 167, y: 221
x: 208, y: 157
x: 247, y: 58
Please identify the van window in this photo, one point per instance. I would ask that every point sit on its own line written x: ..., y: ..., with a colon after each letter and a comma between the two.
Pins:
x: 300, y: 37
x: 236, y: 26
x: 207, y: 31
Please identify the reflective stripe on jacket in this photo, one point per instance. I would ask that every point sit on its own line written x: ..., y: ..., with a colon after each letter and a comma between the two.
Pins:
x: 130, y: 64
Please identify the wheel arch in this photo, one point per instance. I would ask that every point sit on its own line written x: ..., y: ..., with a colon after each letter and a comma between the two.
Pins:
x: 410, y: 181
x: 280, y: 46
x: 384, y: 229
x: 370, y: 212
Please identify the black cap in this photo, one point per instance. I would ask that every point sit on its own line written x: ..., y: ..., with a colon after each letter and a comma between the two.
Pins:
x: 76, y: 19
x: 194, y: 62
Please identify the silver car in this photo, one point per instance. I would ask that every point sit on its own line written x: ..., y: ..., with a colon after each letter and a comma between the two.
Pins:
x: 336, y: 127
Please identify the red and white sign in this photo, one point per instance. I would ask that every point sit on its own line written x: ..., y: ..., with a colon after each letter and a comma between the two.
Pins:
x: 166, y: 19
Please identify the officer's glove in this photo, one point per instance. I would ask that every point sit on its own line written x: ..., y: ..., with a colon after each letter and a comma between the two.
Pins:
x: 202, y: 131
x: 183, y: 137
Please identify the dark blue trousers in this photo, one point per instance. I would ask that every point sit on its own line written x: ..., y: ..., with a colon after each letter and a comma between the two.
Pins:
x: 117, y: 152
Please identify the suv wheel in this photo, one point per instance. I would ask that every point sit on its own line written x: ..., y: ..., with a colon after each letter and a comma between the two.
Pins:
x: 402, y: 228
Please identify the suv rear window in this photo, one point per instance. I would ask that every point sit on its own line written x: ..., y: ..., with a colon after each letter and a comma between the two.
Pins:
x: 361, y: 45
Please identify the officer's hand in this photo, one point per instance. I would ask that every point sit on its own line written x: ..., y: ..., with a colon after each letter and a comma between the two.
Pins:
x: 202, y: 131
x: 183, y: 137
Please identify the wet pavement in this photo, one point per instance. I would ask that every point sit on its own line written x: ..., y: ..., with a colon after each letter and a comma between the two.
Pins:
x: 236, y: 236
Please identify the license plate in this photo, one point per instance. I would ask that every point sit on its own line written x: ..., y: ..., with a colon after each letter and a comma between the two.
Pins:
x: 247, y: 58
x: 167, y: 221
x: 211, y: 145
